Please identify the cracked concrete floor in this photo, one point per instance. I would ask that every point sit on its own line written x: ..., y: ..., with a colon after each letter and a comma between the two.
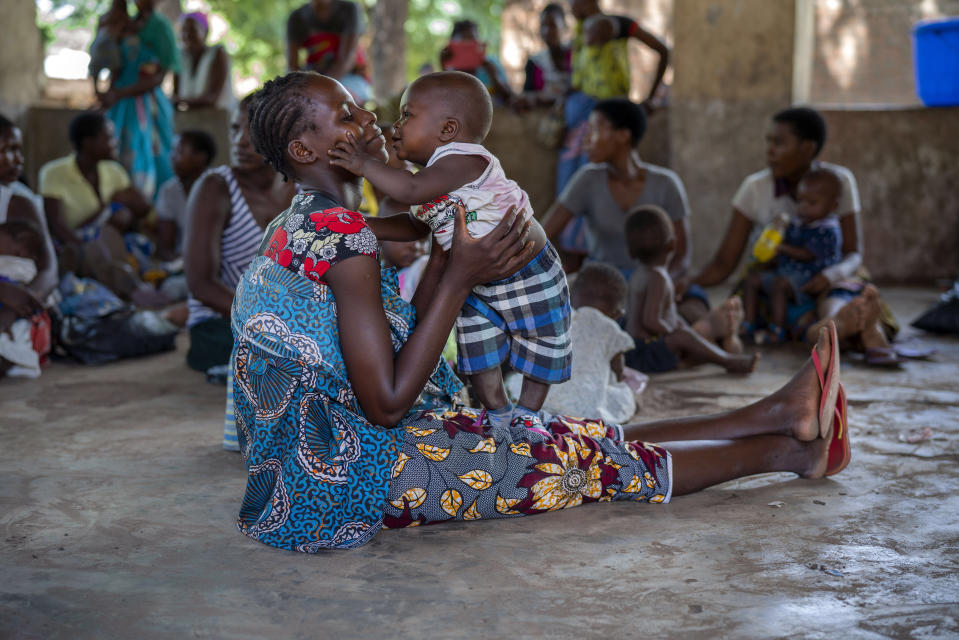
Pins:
x: 118, y: 508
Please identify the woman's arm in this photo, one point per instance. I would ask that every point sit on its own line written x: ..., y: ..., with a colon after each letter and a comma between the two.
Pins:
x: 146, y: 82
x: 555, y: 220
x: 132, y: 199
x: 21, y: 208
x: 729, y: 252
x: 57, y: 220
x: 660, y: 48
x: 345, y: 55
x: 387, y: 384
x: 209, y: 214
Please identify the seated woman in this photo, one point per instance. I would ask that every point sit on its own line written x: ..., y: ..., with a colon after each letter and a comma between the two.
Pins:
x: 90, y: 203
x: 18, y: 202
x: 228, y: 208
x: 793, y: 141
x: 344, y: 409
x: 615, y: 182
x: 204, y: 77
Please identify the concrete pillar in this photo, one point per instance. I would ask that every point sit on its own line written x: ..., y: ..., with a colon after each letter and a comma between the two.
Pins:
x: 733, y: 68
x: 21, y: 58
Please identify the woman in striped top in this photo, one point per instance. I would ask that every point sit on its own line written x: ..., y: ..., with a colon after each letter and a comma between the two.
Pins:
x: 228, y: 209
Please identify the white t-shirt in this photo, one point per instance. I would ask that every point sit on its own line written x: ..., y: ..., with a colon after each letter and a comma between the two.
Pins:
x: 486, y: 199
x: 171, y: 205
x: 593, y: 391
x: 757, y: 200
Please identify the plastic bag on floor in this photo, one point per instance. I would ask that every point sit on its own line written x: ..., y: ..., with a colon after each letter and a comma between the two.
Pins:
x: 94, y: 326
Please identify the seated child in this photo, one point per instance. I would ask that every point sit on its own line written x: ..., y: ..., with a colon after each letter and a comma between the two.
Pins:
x: 598, y: 388
x: 21, y: 248
x: 444, y: 119
x: 663, y: 339
x: 192, y: 155
x: 810, y: 244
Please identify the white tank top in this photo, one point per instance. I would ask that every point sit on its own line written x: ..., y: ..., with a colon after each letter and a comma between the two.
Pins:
x: 193, y: 83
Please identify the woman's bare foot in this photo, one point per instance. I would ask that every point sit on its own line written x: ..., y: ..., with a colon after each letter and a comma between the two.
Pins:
x: 721, y: 325
x: 795, y: 406
x: 851, y: 318
x: 732, y: 309
x: 742, y: 363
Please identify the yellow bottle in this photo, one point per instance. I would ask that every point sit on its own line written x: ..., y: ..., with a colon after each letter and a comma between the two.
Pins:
x: 769, y: 240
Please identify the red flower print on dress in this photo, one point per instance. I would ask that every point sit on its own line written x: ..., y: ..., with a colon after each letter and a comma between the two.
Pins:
x: 277, y: 251
x: 315, y: 270
x: 338, y: 220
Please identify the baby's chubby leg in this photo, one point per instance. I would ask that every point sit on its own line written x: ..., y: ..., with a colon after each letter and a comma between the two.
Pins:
x: 532, y: 396
x: 489, y: 390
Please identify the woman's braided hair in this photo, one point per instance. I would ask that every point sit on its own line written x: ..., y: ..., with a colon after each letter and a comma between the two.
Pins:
x: 278, y: 112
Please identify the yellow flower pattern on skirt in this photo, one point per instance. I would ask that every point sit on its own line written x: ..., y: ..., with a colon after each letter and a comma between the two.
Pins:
x: 455, y: 466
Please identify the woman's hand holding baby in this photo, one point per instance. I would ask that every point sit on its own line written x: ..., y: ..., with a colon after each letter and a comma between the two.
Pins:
x: 495, y: 256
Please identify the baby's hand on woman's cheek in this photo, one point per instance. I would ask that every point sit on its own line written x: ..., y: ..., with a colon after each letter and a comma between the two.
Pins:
x: 349, y: 155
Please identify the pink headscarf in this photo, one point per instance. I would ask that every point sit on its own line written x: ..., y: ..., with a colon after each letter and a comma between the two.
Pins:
x: 200, y: 19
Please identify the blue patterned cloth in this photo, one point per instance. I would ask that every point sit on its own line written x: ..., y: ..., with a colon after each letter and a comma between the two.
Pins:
x: 318, y: 470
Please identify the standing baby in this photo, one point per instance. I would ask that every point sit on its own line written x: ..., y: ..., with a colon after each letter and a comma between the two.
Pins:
x: 525, y: 318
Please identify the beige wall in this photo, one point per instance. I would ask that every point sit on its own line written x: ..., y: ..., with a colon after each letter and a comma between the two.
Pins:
x: 21, y: 57
x: 722, y: 98
x: 722, y: 95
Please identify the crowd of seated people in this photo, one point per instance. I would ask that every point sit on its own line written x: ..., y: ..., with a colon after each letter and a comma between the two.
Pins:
x: 193, y: 241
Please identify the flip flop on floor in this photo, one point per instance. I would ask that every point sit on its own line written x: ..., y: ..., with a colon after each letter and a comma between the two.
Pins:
x: 914, y: 352
x: 839, y: 448
x: 832, y: 407
x: 882, y: 357
x: 828, y: 382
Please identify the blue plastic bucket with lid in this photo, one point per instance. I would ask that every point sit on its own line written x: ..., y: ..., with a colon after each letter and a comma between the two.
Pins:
x: 936, y: 52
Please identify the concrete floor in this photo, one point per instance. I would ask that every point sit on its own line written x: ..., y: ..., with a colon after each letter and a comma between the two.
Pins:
x: 118, y: 510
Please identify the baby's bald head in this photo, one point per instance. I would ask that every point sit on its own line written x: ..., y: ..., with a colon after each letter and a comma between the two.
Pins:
x: 461, y: 96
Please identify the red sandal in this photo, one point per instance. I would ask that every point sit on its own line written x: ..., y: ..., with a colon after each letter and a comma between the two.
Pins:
x: 833, y: 395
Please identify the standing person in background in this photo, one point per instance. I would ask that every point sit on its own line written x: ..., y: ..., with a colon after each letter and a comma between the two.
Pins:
x: 204, y: 80
x: 549, y: 72
x: 600, y: 71
x: 330, y: 32
x: 140, y: 111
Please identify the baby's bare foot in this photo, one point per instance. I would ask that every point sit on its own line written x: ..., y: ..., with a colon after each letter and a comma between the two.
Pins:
x: 742, y: 363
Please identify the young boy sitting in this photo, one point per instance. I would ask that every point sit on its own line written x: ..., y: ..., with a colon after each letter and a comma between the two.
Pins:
x: 811, y: 243
x: 598, y: 388
x: 444, y: 119
x: 192, y: 155
x: 663, y: 339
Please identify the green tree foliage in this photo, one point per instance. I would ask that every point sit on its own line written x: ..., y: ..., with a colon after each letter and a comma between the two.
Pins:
x: 256, y: 38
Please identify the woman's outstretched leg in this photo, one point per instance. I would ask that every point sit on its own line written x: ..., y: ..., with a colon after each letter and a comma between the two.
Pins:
x: 697, y: 465
x: 791, y: 411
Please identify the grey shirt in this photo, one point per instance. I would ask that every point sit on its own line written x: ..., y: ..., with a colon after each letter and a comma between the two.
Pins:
x: 588, y: 196
x: 321, y: 38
